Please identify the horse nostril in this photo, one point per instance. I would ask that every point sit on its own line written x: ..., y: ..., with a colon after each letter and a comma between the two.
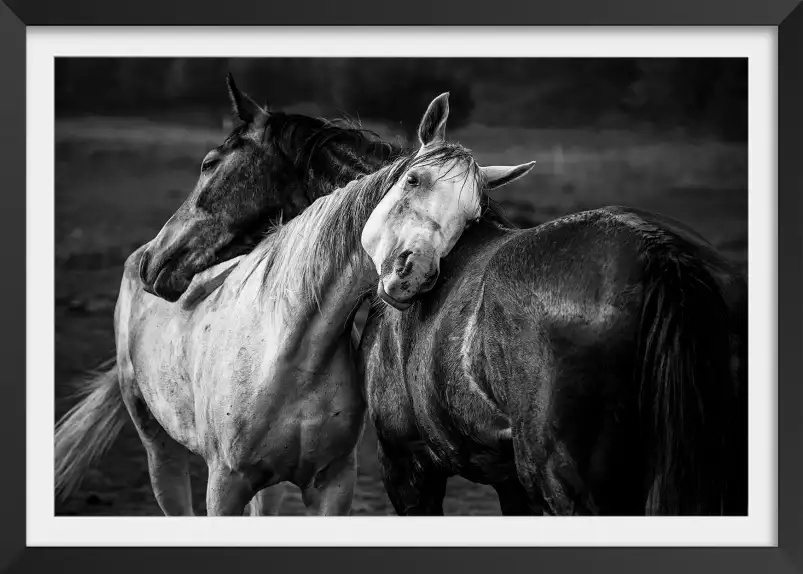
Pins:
x: 404, y: 264
x: 430, y: 282
x: 143, y: 266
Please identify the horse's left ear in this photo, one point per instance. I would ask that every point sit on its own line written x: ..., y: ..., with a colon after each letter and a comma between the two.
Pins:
x: 433, y: 124
x: 243, y: 107
x: 499, y: 175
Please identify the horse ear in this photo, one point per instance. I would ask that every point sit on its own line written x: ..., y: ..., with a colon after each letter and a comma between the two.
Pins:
x: 499, y: 175
x: 433, y: 124
x: 242, y: 106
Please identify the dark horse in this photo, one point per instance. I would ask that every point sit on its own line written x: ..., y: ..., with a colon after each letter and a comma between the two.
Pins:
x: 272, y: 166
x: 579, y: 367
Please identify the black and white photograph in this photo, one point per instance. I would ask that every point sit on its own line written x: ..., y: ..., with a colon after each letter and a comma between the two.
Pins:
x: 401, y: 286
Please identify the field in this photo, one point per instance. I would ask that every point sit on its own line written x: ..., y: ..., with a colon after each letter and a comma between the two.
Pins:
x: 118, y: 180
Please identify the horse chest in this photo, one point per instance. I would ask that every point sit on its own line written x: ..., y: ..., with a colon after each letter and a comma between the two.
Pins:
x: 158, y: 362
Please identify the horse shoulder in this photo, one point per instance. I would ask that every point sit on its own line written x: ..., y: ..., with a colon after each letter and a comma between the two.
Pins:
x: 147, y: 355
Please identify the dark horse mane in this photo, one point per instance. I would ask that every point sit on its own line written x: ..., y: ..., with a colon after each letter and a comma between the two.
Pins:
x: 328, y: 153
x: 331, y: 153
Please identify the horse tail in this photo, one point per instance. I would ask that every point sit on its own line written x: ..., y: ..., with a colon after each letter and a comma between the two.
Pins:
x: 686, y: 384
x: 88, y: 429
x: 738, y: 432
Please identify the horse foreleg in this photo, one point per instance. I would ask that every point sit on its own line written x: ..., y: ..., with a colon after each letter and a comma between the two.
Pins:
x: 415, y: 486
x: 268, y: 501
x: 514, y: 500
x: 331, y: 492
x: 168, y: 461
x: 227, y: 491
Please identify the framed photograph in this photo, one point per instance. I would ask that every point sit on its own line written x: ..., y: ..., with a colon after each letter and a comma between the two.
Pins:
x: 510, y: 283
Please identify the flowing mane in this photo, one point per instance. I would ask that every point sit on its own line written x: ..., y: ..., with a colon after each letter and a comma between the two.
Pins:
x: 300, y: 255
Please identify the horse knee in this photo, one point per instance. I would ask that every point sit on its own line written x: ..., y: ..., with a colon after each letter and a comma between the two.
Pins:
x: 228, y: 491
x: 331, y: 491
x: 415, y: 486
x: 268, y: 501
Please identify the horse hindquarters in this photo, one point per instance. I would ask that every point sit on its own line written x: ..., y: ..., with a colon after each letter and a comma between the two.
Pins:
x: 572, y: 434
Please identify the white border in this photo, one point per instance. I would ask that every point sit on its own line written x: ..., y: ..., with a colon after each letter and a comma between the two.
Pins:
x: 758, y: 44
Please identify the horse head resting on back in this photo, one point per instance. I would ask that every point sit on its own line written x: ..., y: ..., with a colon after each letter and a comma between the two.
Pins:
x: 435, y: 199
x: 271, y: 167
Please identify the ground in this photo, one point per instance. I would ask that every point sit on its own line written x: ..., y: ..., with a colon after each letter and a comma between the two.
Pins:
x: 118, y: 180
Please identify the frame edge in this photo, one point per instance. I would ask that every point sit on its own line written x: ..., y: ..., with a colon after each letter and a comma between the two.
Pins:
x: 790, y: 286
x: 12, y: 233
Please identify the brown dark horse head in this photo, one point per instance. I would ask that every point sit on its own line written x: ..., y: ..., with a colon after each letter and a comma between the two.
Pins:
x: 271, y: 167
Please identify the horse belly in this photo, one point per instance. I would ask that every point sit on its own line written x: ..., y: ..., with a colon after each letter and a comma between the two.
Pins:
x: 468, y: 439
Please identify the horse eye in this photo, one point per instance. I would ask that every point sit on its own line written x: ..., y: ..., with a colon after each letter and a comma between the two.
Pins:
x: 209, y: 164
x: 412, y: 179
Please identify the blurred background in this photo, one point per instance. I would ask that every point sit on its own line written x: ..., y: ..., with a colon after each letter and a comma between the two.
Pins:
x: 666, y: 135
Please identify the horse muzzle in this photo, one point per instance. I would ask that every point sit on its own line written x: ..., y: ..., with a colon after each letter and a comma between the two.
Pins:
x: 411, y: 275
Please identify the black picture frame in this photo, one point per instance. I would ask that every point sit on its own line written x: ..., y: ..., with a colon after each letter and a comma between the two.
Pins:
x: 787, y: 15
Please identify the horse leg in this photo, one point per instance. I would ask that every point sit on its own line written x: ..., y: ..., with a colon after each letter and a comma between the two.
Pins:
x: 415, y: 486
x: 514, y: 499
x: 168, y: 461
x: 331, y: 492
x: 227, y: 491
x: 268, y: 501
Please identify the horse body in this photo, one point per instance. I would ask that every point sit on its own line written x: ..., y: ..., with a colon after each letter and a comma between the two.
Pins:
x: 522, y: 370
x: 237, y: 387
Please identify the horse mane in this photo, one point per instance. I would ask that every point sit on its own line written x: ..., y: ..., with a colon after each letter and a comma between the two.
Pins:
x: 300, y: 254
x: 335, y: 151
x: 493, y: 212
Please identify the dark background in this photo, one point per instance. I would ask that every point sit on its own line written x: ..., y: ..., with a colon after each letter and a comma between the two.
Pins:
x: 667, y: 135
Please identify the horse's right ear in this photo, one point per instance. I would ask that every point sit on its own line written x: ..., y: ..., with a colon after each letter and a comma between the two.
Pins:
x: 433, y: 124
x: 242, y: 106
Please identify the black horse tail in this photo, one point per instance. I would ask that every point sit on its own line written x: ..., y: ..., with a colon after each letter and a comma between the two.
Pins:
x: 687, y: 387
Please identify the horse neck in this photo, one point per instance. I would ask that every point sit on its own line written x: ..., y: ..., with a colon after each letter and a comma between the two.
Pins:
x: 318, y: 332
x: 310, y: 331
